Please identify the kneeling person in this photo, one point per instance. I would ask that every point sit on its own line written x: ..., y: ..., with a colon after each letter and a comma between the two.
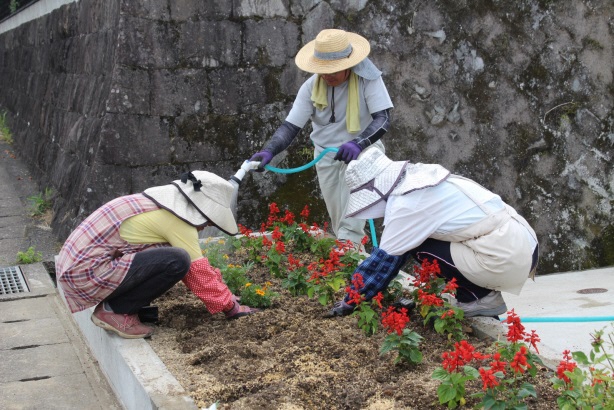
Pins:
x: 430, y: 213
x: 136, y: 247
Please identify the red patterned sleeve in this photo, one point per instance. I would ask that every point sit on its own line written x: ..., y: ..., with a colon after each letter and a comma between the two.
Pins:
x: 206, y: 282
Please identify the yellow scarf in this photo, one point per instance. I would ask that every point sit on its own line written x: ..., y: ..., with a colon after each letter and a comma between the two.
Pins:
x: 319, y: 95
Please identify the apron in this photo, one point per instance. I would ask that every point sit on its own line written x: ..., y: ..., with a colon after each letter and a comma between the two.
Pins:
x: 494, y: 253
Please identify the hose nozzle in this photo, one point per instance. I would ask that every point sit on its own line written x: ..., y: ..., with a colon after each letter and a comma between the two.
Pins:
x: 245, y: 168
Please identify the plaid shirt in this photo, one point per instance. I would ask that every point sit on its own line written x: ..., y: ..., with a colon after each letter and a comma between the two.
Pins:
x: 377, y: 271
x: 95, y: 259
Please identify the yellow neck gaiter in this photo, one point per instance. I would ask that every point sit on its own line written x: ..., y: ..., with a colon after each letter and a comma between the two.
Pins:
x: 319, y: 95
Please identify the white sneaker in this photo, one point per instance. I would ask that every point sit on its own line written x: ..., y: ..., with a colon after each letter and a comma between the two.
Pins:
x: 490, y: 305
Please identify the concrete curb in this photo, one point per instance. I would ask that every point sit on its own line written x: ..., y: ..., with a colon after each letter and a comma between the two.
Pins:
x: 138, y: 377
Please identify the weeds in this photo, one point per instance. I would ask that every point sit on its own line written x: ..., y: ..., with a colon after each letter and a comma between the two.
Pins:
x: 5, y: 132
x: 41, y: 203
x: 29, y: 256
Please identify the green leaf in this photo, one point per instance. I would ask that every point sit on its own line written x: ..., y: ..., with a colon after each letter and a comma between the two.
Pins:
x: 446, y: 392
x: 440, y: 374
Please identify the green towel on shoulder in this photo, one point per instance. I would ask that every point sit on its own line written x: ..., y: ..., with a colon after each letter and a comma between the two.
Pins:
x: 319, y: 95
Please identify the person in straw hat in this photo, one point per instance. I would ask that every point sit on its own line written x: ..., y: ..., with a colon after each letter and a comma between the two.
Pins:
x: 136, y: 247
x: 349, y: 108
x: 429, y: 213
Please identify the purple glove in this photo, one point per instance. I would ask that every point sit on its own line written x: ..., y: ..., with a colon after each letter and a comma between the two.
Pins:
x: 348, y: 152
x: 264, y: 157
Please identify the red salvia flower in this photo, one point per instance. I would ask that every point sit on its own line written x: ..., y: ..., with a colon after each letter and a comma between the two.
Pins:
x: 276, y: 234
x: 395, y: 321
x: 288, y: 218
x: 364, y: 240
x: 244, y: 230
x: 533, y: 339
x: 489, y: 379
x: 519, y: 364
x: 305, y: 212
x: 355, y: 298
x: 273, y: 209
x: 266, y: 241
x: 448, y: 313
x: 427, y: 299
x: 357, y: 281
x: 566, y: 365
x: 515, y: 330
x: 497, y: 365
x: 450, y: 287
x: 378, y: 299
x: 304, y: 227
x: 294, y: 263
x: 280, y: 247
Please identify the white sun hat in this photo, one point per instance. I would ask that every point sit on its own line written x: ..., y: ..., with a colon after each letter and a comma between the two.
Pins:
x: 332, y: 51
x: 373, y: 177
x: 196, y: 198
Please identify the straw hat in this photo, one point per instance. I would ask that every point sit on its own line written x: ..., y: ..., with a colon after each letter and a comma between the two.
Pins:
x: 332, y: 51
x: 198, y: 197
x: 373, y: 177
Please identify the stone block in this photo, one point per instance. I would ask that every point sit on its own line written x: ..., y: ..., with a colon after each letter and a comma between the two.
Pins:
x: 200, y: 10
x: 130, y: 92
x: 260, y: 8
x: 272, y: 42
x: 151, y: 10
x: 198, y: 138
x: 179, y: 92
x: 319, y: 18
x: 134, y: 140
x: 209, y: 43
x: 248, y: 88
x: 146, y: 43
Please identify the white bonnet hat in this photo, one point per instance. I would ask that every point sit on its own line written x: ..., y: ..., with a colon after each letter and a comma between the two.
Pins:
x: 196, y: 198
x: 373, y: 177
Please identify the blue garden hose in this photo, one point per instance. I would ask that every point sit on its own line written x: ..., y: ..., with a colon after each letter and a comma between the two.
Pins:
x: 309, y: 165
x: 565, y: 319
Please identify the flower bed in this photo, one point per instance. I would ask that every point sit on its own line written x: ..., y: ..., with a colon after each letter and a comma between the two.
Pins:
x: 290, y: 357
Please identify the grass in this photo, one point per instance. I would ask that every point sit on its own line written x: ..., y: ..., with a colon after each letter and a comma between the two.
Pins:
x: 41, y: 203
x: 29, y: 256
x: 5, y: 132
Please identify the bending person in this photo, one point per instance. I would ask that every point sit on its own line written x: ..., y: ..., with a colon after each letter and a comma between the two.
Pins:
x: 136, y: 247
x: 432, y: 214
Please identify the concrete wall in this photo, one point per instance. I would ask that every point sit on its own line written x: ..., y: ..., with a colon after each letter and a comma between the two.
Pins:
x: 108, y: 98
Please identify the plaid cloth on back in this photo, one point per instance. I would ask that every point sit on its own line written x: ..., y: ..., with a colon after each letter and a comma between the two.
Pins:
x: 378, y: 270
x: 89, y: 266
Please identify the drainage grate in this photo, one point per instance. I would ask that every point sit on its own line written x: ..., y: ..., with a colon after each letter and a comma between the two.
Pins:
x: 12, y: 281
x: 592, y: 290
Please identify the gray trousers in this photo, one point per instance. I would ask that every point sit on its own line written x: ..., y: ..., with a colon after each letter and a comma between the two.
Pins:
x: 336, y: 194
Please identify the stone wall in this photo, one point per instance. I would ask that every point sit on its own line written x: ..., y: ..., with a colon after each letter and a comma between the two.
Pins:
x: 108, y: 98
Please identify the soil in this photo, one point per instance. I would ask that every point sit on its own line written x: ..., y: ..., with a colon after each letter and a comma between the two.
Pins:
x: 290, y: 357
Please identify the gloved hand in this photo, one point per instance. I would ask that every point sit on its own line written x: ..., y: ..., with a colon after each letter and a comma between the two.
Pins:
x: 348, y: 152
x: 340, y: 309
x: 238, y: 311
x: 264, y: 157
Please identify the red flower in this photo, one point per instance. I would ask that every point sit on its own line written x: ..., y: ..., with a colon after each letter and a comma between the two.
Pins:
x: 288, y: 218
x: 280, y: 247
x: 448, y: 313
x: 266, y: 241
x: 244, y: 230
x: 355, y: 298
x: 532, y: 339
x: 294, y: 262
x: 515, y: 331
x: 496, y: 365
x: 519, y: 364
x: 566, y: 365
x: 462, y: 354
x: 427, y: 299
x: 489, y: 379
x: 276, y: 234
x: 395, y: 321
x: 357, y: 281
x: 273, y: 209
x: 426, y: 271
x: 305, y: 212
x: 364, y: 240
x: 450, y: 287
x: 378, y: 299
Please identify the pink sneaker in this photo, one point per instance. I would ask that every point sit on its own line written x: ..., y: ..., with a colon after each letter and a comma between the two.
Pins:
x: 127, y: 326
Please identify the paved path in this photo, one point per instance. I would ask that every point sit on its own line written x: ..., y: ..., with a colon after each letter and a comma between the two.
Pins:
x: 45, y: 363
